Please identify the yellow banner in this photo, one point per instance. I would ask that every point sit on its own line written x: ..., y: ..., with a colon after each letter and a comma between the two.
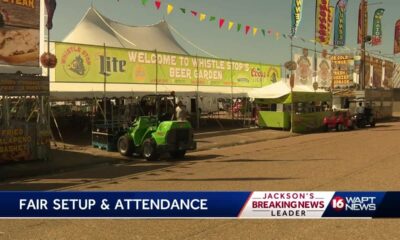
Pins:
x: 95, y: 64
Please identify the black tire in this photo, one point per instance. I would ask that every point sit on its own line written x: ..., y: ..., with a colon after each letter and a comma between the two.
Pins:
x: 125, y: 146
x: 339, y: 127
x: 373, y: 124
x: 179, y: 154
x: 150, y: 150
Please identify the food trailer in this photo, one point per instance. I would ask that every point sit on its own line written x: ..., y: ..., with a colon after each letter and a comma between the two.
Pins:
x: 275, y: 103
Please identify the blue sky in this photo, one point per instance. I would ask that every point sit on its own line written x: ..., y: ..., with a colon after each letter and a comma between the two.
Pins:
x: 267, y: 14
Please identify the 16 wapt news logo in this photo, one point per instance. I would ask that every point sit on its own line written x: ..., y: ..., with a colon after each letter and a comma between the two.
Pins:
x: 354, y: 204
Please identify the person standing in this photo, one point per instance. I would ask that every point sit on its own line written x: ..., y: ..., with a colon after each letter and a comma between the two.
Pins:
x: 181, y: 112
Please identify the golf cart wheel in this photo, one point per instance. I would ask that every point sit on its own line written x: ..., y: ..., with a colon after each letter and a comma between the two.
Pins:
x: 179, y: 154
x: 125, y: 146
x: 150, y: 150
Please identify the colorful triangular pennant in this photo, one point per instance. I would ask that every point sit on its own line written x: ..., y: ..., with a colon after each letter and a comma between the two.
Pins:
x: 202, y: 17
x: 255, y: 30
x: 144, y: 2
x: 263, y: 32
x: 239, y: 27
x: 157, y: 4
x: 194, y: 13
x: 247, y: 29
x: 183, y: 10
x: 230, y: 25
x: 212, y: 18
x: 170, y: 8
x: 221, y: 22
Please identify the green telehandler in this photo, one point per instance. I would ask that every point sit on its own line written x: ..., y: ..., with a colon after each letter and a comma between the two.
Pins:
x: 157, y: 132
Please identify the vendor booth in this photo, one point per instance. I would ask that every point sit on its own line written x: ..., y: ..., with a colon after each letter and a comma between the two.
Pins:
x: 24, y: 91
x: 275, y: 104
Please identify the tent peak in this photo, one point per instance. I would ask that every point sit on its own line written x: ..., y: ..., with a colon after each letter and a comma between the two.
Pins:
x: 95, y: 10
x: 115, y: 34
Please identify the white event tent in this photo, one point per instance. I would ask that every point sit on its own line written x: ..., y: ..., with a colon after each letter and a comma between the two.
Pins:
x: 96, y: 29
x: 281, y: 89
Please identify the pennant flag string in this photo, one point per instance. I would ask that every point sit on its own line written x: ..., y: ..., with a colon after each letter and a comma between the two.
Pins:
x: 203, y: 16
x: 247, y: 28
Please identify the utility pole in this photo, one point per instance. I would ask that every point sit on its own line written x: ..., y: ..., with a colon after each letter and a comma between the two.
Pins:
x: 364, y: 34
x: 365, y: 39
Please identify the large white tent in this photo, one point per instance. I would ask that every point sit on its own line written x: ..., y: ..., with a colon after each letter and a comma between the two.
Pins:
x: 96, y: 29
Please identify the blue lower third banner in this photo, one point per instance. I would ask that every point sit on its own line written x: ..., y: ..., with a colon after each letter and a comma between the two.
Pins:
x: 232, y: 205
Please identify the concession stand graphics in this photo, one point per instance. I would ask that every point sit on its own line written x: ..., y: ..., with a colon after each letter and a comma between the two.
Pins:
x: 24, y: 128
x: 21, y: 36
x: 275, y: 103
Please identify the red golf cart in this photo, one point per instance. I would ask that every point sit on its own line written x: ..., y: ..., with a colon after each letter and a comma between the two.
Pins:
x: 339, y: 120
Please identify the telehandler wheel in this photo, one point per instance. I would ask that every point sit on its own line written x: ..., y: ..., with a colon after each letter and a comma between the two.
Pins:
x: 150, y: 150
x: 125, y: 146
x: 179, y: 154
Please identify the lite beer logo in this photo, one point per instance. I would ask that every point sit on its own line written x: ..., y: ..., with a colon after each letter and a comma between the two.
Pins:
x: 76, y: 62
x: 354, y: 204
x: 109, y: 65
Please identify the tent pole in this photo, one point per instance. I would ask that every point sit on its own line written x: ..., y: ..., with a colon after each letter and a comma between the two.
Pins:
x: 197, y: 94
x: 7, y: 111
x: 155, y: 51
x: 157, y: 102
x: 291, y: 86
x: 315, y: 44
x: 233, y: 116
x: 105, y: 84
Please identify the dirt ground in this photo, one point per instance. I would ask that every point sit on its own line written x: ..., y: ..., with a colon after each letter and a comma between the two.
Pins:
x: 363, y: 160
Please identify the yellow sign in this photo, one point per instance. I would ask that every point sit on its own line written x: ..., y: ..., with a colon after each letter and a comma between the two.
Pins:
x: 96, y: 64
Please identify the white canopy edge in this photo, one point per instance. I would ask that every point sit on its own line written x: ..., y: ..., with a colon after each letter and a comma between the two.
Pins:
x: 79, y: 91
x: 280, y: 89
